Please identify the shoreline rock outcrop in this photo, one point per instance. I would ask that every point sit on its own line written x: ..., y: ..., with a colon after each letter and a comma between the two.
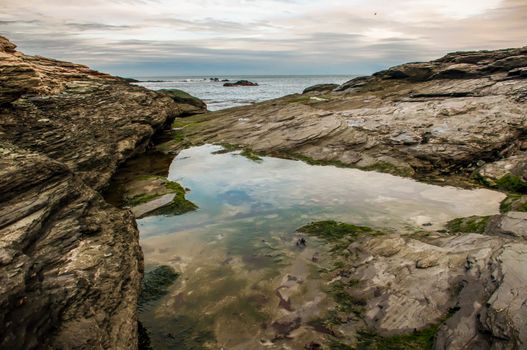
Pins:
x: 70, y: 264
x: 441, y: 119
x: 459, y: 120
x: 189, y: 104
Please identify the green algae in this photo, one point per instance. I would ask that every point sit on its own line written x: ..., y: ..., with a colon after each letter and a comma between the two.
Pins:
x: 514, y: 202
x: 512, y: 183
x: 417, y: 340
x: 346, y: 302
x: 156, y: 283
x: 471, y: 224
x: 389, y: 168
x: 245, y: 152
x: 140, y: 199
x: 179, y: 205
x: 509, y: 183
x: 332, y: 230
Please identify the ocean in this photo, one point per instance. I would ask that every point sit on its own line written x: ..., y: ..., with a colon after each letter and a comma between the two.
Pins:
x: 219, y: 97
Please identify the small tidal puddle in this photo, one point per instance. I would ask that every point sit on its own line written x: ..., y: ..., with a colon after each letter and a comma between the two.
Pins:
x: 244, y: 284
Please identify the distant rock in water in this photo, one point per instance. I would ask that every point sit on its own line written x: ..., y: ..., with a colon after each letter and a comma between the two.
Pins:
x: 241, y: 83
x: 321, y: 88
x: 190, y: 104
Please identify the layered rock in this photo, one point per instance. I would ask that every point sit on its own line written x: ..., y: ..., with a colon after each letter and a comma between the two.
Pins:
x: 462, y: 116
x: 441, y: 290
x: 70, y: 264
x: 189, y: 104
x: 441, y: 118
x: 473, y: 280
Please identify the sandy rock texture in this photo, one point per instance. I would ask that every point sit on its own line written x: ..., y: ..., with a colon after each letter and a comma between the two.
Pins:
x: 70, y: 264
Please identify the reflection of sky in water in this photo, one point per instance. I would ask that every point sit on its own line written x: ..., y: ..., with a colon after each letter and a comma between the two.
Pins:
x: 228, y: 188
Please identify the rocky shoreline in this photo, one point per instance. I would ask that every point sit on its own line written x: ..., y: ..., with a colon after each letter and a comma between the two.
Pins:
x: 440, y: 121
x: 71, y: 264
x: 459, y: 120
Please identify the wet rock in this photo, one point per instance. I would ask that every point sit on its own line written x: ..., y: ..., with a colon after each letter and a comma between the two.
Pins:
x: 72, y: 263
x: 521, y: 72
x: 450, y: 292
x: 506, y: 315
x: 412, y: 71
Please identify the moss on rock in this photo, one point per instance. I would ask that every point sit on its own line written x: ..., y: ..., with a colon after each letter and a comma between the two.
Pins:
x: 147, y: 188
x: 417, y: 340
x: 512, y: 183
x: 332, y: 230
x: 471, y: 224
x: 156, y: 283
x: 514, y: 202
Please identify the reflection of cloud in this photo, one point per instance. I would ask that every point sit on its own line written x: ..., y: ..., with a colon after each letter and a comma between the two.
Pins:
x: 235, y: 197
x: 259, y: 36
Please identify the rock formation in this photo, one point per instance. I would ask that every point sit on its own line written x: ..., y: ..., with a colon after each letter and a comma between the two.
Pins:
x: 189, y: 104
x: 70, y: 264
x: 241, y: 83
x: 460, y: 119
x: 448, y: 117
x: 321, y: 88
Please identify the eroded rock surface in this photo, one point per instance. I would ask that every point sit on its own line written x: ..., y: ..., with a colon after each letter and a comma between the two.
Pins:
x: 457, y: 118
x: 441, y: 118
x: 426, y: 290
x: 70, y: 264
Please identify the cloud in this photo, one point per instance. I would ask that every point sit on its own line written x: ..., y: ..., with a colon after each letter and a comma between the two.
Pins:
x: 258, y: 36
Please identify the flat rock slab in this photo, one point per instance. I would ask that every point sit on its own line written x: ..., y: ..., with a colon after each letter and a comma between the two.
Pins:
x: 143, y: 209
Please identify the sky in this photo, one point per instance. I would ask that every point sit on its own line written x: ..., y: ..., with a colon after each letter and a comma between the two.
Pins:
x: 138, y: 38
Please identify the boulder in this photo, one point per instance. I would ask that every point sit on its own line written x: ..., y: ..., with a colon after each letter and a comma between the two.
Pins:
x: 189, y: 104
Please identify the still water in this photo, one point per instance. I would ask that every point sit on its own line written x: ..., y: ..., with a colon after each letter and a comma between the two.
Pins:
x: 242, y: 276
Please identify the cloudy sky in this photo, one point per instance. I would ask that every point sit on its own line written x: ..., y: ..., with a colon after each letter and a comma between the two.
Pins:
x: 195, y: 37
